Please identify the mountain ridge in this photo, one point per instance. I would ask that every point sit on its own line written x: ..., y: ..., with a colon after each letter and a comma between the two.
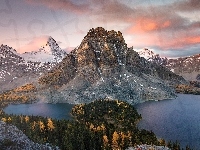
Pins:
x: 50, y: 52
x: 188, y: 67
x: 103, y: 66
x: 16, y: 70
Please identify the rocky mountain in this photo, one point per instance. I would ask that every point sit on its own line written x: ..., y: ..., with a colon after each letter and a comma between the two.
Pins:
x: 188, y: 67
x: 103, y: 66
x: 17, y: 69
x: 51, y: 52
x: 151, y: 56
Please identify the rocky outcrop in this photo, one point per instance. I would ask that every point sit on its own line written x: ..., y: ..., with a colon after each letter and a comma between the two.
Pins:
x: 12, y: 138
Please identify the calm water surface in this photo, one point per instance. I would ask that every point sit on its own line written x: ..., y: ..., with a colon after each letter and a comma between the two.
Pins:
x: 56, y: 111
x: 177, y: 119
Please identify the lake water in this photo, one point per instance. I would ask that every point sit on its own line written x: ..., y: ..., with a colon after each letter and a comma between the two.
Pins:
x: 56, y: 111
x: 177, y: 119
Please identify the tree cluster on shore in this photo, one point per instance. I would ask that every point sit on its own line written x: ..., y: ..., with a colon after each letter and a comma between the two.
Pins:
x: 101, y: 125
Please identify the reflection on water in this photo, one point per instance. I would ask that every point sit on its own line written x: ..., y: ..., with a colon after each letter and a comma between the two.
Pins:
x: 177, y: 119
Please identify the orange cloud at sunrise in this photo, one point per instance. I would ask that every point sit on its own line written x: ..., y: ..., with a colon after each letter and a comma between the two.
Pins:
x: 142, y: 25
x: 193, y: 40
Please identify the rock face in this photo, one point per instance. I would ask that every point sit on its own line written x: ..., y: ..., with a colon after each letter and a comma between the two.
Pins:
x: 188, y: 67
x: 103, y: 66
x: 19, y: 69
x: 12, y: 138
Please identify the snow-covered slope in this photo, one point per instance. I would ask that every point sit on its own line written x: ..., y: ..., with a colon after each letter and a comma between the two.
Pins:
x: 151, y: 56
x: 146, y: 53
x: 51, y: 52
x: 18, y: 69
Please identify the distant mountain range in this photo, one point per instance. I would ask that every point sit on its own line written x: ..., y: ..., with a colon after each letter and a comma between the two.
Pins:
x: 103, y: 66
x: 188, y: 67
x: 17, y: 69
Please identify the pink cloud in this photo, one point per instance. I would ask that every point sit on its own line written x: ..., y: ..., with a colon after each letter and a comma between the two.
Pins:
x: 153, y: 26
x: 34, y: 45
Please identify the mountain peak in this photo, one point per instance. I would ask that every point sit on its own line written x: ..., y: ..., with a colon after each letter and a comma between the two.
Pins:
x: 100, y: 34
x: 101, y: 47
x: 146, y: 53
x: 51, y: 40
x: 51, y: 52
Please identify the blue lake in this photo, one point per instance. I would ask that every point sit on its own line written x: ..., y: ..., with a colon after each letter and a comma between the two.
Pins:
x: 56, y: 111
x: 177, y: 119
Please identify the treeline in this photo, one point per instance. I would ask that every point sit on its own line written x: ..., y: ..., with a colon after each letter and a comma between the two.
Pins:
x: 188, y: 89
x: 100, y: 125
x: 18, y: 95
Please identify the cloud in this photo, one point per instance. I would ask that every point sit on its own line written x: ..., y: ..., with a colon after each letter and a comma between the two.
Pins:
x: 66, y: 5
x: 187, y: 5
x: 159, y: 26
x: 35, y: 44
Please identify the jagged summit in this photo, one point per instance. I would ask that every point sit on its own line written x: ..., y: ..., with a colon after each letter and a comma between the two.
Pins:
x: 99, y: 34
x: 17, y: 69
x: 146, y: 53
x: 103, y: 66
x: 50, y: 52
x: 101, y: 48
x: 153, y: 57
x: 102, y: 36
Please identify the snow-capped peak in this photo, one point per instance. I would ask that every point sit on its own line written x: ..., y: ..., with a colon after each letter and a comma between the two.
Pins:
x: 151, y: 56
x: 146, y: 53
x: 50, y: 52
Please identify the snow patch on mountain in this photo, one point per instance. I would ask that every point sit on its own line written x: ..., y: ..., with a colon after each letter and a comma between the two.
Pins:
x: 146, y: 53
x: 28, y: 66
x: 51, y: 52
x: 151, y: 56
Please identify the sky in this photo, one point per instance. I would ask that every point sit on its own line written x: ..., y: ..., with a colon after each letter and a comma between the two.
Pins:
x: 170, y: 28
